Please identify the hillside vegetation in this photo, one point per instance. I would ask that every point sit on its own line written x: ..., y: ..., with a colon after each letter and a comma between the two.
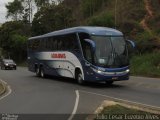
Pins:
x: 139, y: 20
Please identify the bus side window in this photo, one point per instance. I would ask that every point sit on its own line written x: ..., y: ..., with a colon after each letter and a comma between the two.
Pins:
x: 67, y: 44
x: 47, y: 45
x: 88, y: 52
x: 63, y: 43
x: 50, y: 43
x: 86, y: 48
x: 54, y: 43
x: 72, y: 42
x: 29, y: 45
x: 43, y: 44
x: 59, y: 44
x: 36, y: 44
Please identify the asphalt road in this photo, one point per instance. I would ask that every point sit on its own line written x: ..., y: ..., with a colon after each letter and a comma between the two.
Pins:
x: 61, y: 96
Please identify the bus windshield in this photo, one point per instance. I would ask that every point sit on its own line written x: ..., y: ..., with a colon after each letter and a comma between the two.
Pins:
x: 110, y: 51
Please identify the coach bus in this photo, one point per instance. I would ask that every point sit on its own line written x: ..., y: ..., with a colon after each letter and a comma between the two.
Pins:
x: 86, y: 53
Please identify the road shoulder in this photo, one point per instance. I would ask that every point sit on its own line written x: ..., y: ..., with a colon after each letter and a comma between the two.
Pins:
x: 2, y: 87
x: 135, y: 106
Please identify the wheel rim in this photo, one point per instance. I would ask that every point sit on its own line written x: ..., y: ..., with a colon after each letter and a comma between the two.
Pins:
x: 37, y: 71
x: 42, y: 73
x: 80, y: 80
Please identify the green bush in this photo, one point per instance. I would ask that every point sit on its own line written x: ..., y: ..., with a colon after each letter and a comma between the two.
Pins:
x: 146, y: 65
x: 145, y: 42
x: 90, y: 7
x: 105, y: 19
x: 130, y: 28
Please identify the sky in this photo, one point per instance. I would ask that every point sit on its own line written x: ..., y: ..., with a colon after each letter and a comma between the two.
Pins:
x: 3, y: 10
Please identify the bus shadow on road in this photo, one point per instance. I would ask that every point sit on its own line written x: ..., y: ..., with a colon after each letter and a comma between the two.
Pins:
x: 97, y: 85
x: 103, y: 85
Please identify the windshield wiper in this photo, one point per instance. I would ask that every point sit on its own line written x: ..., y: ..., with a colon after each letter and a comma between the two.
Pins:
x: 110, y: 57
x: 113, y: 55
x: 116, y: 56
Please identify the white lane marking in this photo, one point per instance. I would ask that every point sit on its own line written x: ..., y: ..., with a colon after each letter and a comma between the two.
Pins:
x: 8, y: 92
x: 118, y: 99
x: 75, y: 106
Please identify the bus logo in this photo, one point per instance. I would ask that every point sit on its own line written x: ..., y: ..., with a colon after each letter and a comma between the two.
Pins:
x: 58, y: 55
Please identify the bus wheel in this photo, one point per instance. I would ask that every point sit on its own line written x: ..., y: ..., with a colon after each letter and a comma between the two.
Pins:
x: 108, y: 82
x: 37, y: 72
x: 42, y: 74
x: 79, y: 78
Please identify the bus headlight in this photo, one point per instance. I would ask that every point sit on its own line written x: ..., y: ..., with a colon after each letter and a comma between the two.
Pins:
x: 110, y: 73
x: 127, y: 71
x: 100, y: 71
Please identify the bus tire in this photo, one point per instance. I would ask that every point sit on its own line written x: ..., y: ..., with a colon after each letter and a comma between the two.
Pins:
x: 79, y: 78
x: 37, y: 71
x: 42, y: 74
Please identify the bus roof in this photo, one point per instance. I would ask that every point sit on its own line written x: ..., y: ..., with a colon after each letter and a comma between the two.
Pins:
x: 86, y: 29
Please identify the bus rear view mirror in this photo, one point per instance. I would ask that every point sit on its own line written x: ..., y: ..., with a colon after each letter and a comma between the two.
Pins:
x: 131, y: 43
x: 92, y: 44
x: 131, y: 46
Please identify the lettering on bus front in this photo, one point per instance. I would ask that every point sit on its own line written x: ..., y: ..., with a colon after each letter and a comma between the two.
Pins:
x: 58, y: 55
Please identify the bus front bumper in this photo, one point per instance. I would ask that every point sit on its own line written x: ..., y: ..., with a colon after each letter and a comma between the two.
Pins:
x: 113, y: 76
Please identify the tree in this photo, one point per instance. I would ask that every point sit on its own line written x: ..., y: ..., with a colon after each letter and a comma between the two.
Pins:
x: 13, y: 37
x: 103, y: 19
x: 46, y: 3
x: 89, y: 7
x: 53, y: 17
x: 28, y: 10
x: 41, y: 3
x: 14, y: 10
x: 20, y: 10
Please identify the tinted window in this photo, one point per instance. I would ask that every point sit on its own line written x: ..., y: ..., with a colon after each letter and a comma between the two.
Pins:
x: 54, y: 44
x: 30, y: 44
x: 86, y: 48
x: 43, y: 44
x: 49, y: 45
x: 73, y: 42
x: 60, y: 43
x: 65, y: 42
x: 34, y: 44
x: 88, y: 52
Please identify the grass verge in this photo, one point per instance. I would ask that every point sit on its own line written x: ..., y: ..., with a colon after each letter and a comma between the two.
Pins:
x: 118, y: 112
x: 2, y: 89
x: 118, y: 109
x: 146, y: 65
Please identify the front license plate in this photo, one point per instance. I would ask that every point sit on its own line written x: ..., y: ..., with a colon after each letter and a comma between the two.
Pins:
x: 114, y: 78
